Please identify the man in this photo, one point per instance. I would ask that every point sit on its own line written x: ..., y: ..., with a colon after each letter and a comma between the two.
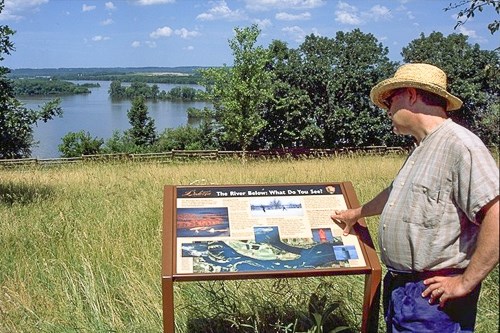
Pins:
x: 439, y: 224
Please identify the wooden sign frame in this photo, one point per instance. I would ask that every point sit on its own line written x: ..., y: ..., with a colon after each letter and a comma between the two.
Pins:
x: 234, y: 217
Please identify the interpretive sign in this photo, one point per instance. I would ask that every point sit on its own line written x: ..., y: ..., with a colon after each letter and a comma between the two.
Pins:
x: 262, y: 231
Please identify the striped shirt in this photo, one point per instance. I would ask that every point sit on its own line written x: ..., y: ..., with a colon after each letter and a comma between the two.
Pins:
x: 428, y: 222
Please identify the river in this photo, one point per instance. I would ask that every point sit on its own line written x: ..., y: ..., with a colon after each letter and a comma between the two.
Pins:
x: 97, y: 114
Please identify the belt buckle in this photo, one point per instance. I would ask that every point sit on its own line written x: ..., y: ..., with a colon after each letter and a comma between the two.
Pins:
x: 402, y: 276
x: 395, y: 274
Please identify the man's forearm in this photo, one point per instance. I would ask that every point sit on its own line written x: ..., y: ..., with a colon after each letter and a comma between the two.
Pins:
x: 376, y: 205
x: 485, y: 257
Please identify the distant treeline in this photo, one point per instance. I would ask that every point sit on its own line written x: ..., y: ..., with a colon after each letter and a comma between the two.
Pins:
x: 176, y: 75
x: 43, y: 86
x: 146, y: 78
x: 116, y: 90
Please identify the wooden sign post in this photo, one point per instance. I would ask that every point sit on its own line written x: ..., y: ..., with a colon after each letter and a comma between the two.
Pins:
x: 264, y: 231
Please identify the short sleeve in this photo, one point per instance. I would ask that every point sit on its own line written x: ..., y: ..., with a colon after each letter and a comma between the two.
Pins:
x: 477, y: 180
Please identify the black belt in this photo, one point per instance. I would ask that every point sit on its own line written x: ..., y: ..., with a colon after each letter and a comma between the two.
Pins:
x: 420, y: 276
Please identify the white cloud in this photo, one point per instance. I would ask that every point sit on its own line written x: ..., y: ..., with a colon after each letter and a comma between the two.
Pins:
x: 467, y: 32
x: 282, y: 16
x: 161, y: 32
x: 378, y: 12
x: 107, y: 22
x: 295, y: 32
x: 153, y: 2
x: 263, y: 5
x: 100, y: 38
x: 87, y: 8
x: 348, y: 14
x: 472, y: 34
x: 23, y: 4
x: 151, y: 44
x: 220, y: 10
x: 189, y: 48
x: 14, y: 9
x: 167, y: 32
x: 136, y: 44
x: 345, y: 6
x: 109, y: 5
x: 263, y: 24
x: 347, y: 18
x: 184, y: 33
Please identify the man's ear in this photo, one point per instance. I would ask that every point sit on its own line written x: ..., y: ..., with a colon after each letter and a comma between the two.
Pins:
x: 412, y: 95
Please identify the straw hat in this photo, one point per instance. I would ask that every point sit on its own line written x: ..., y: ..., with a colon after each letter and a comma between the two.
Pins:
x: 422, y: 76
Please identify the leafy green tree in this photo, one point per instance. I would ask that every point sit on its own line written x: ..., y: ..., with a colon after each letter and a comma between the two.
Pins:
x: 491, y: 126
x: 181, y: 138
x: 288, y: 116
x: 469, y: 8
x: 143, y: 132
x: 139, y: 89
x: 473, y: 75
x: 6, y: 47
x: 182, y: 93
x: 121, y: 142
x: 76, y: 144
x: 47, y: 87
x: 239, y: 92
x: 321, y: 93
x: 16, y: 121
x: 358, y: 62
x: 116, y: 90
x: 155, y: 91
x: 16, y: 126
x: 199, y: 136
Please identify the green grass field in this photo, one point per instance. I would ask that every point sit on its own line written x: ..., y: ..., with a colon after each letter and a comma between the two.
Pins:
x: 80, y: 250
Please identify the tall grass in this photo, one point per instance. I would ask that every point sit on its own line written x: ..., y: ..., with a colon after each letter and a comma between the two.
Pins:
x: 80, y: 250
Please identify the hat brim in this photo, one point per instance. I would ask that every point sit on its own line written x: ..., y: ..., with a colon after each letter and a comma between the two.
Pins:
x: 383, y: 89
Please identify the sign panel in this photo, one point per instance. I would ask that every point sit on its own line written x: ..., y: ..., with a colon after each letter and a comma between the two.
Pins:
x: 263, y: 231
x: 262, y: 228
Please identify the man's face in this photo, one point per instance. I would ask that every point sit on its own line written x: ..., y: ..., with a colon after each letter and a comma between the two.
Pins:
x: 394, y: 103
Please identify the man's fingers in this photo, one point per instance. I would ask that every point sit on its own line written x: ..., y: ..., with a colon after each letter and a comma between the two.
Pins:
x: 436, y: 295
x: 347, y: 230
x: 442, y: 300
x: 344, y: 219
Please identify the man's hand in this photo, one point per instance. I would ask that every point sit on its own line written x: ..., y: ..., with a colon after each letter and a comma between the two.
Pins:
x: 443, y: 288
x: 484, y: 259
x: 346, y: 219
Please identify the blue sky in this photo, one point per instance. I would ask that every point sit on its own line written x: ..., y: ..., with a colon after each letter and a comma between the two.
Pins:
x: 139, y: 33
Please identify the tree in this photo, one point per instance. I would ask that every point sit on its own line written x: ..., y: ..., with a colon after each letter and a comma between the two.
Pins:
x: 288, y: 116
x: 79, y: 143
x: 358, y: 62
x: 239, y: 92
x: 116, y: 90
x: 16, y: 121
x: 183, y: 138
x: 155, y: 91
x: 321, y: 93
x: 120, y: 142
x: 473, y: 75
x: 143, y: 132
x: 471, y: 6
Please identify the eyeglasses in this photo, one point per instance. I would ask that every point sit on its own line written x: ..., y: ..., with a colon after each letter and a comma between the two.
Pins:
x: 388, y: 100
